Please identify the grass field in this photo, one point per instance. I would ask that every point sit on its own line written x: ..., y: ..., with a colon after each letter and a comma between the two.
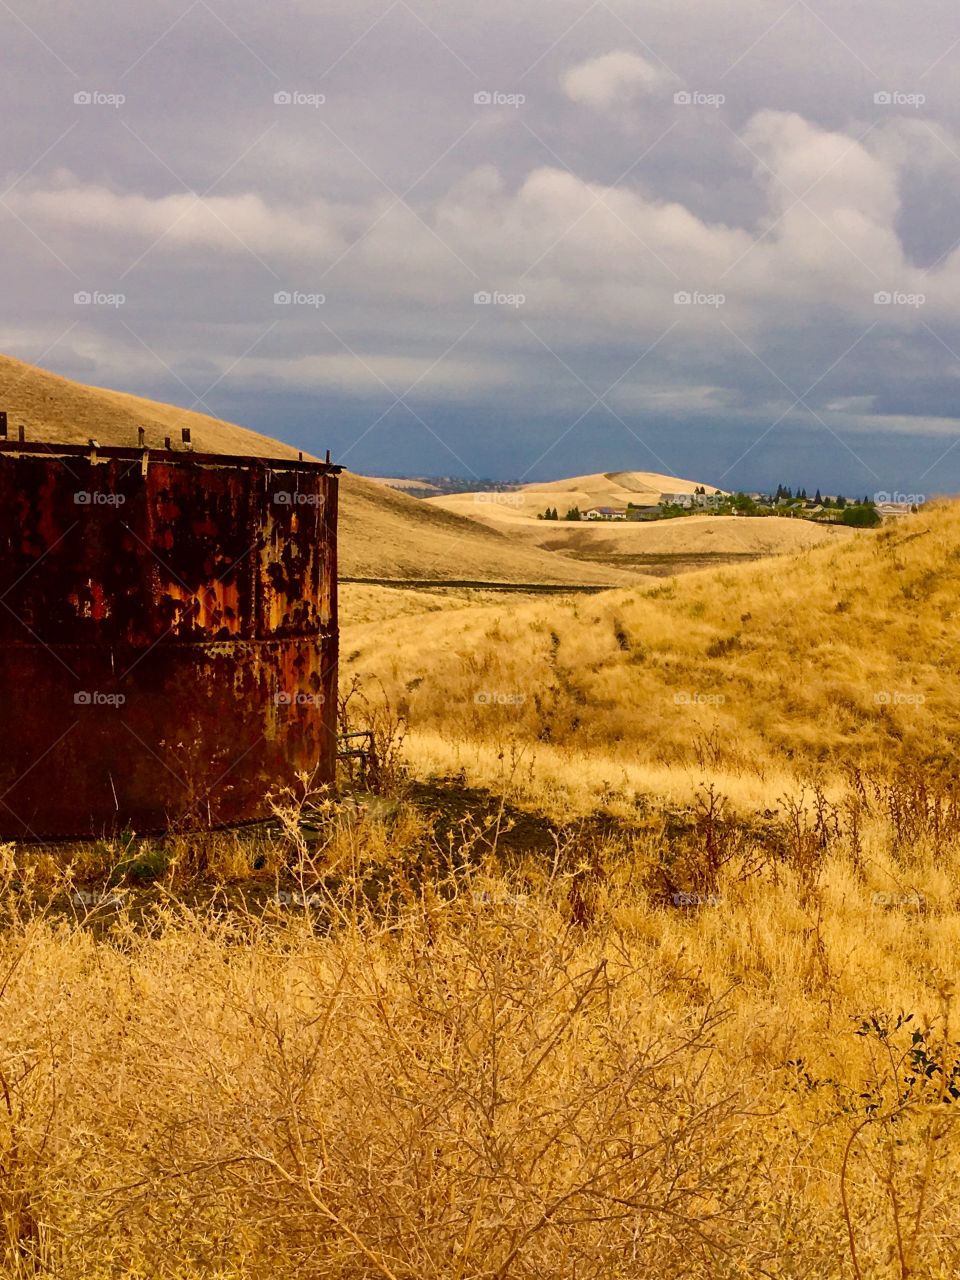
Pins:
x: 842, y: 654
x: 658, y: 547
x: 641, y: 960
x: 686, y: 1046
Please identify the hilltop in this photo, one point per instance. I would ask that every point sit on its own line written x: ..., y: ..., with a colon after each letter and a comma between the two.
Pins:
x: 657, y: 546
x: 383, y: 533
x: 59, y: 411
x: 603, y: 489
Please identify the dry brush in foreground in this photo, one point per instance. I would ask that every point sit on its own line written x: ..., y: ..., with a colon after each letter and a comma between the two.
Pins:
x: 725, y: 1053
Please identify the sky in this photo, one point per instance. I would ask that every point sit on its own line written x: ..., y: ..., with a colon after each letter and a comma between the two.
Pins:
x: 516, y: 241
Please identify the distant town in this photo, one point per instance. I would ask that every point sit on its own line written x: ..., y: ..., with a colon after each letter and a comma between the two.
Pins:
x: 828, y: 509
x: 784, y: 501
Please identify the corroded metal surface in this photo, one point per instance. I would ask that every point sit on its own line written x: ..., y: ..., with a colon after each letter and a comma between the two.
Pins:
x: 168, y: 637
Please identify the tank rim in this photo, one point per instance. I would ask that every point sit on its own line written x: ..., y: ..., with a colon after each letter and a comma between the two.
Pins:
x: 186, y: 457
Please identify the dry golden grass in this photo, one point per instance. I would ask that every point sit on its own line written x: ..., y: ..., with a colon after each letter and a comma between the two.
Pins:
x: 363, y: 603
x: 686, y: 536
x: 632, y: 1058
x: 61, y: 411
x: 653, y: 547
x: 385, y: 534
x: 844, y: 653
x: 708, y: 1030
x: 603, y: 489
x: 677, y: 543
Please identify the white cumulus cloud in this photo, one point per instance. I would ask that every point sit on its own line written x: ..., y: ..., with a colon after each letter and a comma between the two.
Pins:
x: 613, y: 79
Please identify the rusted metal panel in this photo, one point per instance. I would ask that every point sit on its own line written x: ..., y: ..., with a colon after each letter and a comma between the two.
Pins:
x: 168, y: 637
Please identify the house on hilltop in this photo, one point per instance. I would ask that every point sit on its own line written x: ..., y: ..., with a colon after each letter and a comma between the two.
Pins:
x: 890, y: 510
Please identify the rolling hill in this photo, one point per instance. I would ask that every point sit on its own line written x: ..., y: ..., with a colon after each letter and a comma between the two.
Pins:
x: 671, y: 546
x: 657, y: 547
x: 383, y: 533
x: 603, y: 489
x: 841, y: 653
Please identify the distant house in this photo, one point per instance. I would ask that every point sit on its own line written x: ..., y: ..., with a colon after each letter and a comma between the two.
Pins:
x: 642, y: 510
x: 892, y: 509
x: 605, y: 513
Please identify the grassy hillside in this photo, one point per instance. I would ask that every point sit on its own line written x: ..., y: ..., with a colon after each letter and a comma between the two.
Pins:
x: 841, y: 653
x: 602, y: 489
x: 690, y: 535
x: 58, y: 410
x: 430, y: 1034
x: 672, y: 546
x: 383, y: 533
x: 422, y: 1037
x: 656, y: 547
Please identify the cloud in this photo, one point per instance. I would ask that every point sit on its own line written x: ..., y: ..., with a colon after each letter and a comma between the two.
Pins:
x: 613, y: 79
x: 398, y: 198
x: 227, y: 223
x: 829, y: 169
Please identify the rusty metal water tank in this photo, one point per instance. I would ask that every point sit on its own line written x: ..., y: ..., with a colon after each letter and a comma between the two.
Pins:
x: 168, y: 636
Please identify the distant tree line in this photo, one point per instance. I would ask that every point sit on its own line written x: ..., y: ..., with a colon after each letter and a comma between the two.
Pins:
x: 785, y: 501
